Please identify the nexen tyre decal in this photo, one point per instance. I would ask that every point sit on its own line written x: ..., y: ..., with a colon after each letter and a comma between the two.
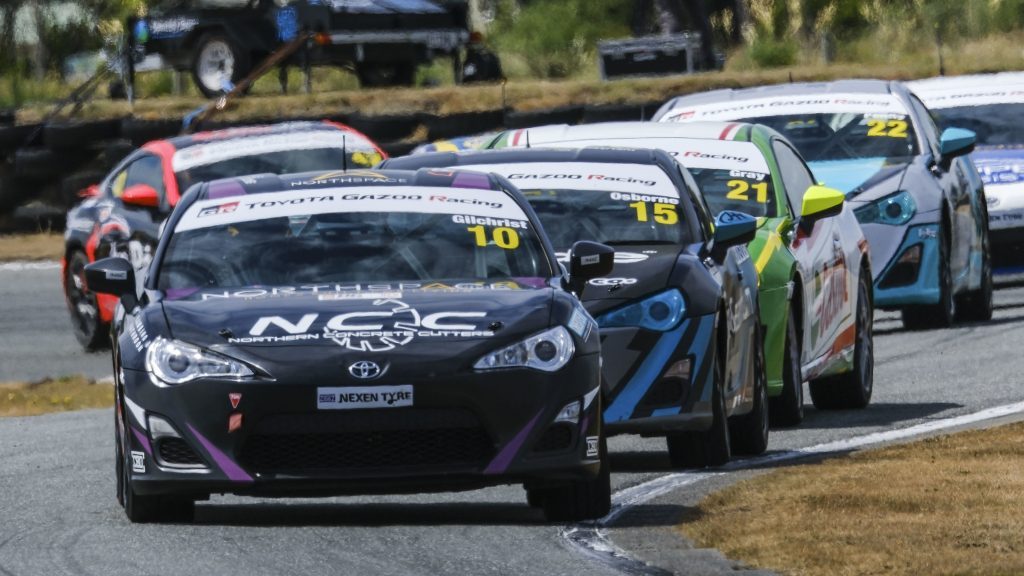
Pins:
x: 693, y: 337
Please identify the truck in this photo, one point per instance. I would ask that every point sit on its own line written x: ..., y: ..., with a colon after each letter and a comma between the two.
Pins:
x: 383, y: 41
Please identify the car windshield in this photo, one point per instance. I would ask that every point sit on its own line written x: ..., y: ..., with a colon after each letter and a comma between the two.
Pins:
x: 744, y: 191
x: 279, y: 162
x: 995, y: 124
x: 369, y: 239
x: 846, y: 135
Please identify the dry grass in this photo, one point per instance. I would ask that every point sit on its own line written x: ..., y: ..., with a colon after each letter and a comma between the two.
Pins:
x: 39, y: 246
x: 946, y: 505
x: 60, y: 395
x: 997, y: 53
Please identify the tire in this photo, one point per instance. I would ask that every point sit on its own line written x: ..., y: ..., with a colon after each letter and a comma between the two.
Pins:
x: 216, y: 59
x: 72, y: 185
x: 13, y: 137
x: 612, y: 113
x: 580, y: 499
x: 462, y: 124
x: 531, y: 118
x: 376, y: 75
x: 749, y: 433
x: 976, y: 306
x: 400, y: 148
x: 711, y: 447
x: 77, y: 134
x: 787, y: 409
x: 143, y: 509
x: 385, y: 128
x: 853, y: 389
x: 139, y: 131
x: 90, y: 331
x: 939, y: 315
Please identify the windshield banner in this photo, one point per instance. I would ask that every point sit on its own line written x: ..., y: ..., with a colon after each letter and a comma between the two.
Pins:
x: 789, y: 106
x: 220, y: 150
x: 595, y: 176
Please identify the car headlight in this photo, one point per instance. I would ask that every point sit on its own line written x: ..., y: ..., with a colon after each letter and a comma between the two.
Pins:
x: 661, y: 312
x: 894, y: 210
x: 175, y: 362
x: 547, y: 351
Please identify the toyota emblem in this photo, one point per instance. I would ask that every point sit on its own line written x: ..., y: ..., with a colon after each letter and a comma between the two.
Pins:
x: 365, y: 370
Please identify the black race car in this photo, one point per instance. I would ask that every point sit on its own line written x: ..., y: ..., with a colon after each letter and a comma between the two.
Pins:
x: 680, y: 336
x: 359, y: 332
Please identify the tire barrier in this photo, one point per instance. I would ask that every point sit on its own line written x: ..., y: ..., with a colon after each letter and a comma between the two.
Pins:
x: 385, y: 128
x: 531, y: 118
x: 77, y: 134
x: 14, y: 137
x: 140, y: 131
x: 461, y: 124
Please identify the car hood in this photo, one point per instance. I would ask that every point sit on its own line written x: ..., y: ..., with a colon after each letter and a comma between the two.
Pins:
x: 999, y: 166
x: 640, y: 270
x: 858, y: 176
x: 441, y: 320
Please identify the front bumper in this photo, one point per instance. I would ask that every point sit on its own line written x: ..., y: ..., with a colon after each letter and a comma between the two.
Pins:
x: 462, y: 431
x: 658, y: 382
x: 908, y: 283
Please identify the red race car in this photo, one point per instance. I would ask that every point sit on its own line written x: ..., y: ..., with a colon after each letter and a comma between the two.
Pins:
x: 123, y: 214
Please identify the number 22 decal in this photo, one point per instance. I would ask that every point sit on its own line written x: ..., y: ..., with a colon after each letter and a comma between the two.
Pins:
x: 891, y: 128
x: 740, y: 190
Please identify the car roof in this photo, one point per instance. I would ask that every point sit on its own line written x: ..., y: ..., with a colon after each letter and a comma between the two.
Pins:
x: 182, y: 142
x: 970, y: 90
x: 612, y: 130
x: 965, y: 81
x: 519, y: 155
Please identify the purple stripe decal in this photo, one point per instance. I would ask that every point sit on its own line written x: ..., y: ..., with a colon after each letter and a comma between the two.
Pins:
x: 504, y: 458
x: 232, y: 470
x: 142, y: 440
x: 224, y: 189
x: 179, y: 293
x: 471, y: 180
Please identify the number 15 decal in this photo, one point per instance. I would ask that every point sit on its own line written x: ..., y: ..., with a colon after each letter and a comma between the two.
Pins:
x: 663, y: 213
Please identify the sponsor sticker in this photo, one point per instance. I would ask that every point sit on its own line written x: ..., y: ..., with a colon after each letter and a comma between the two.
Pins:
x: 620, y: 257
x: 590, y: 260
x: 593, y: 446
x: 138, y: 462
x: 580, y: 323
x: 330, y: 296
x: 364, y: 397
x: 593, y: 176
x: 612, y: 281
x: 116, y: 274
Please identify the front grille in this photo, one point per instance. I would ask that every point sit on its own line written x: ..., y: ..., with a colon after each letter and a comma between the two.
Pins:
x: 665, y: 392
x: 557, y: 437
x: 177, y: 452
x: 906, y: 269
x: 368, y: 440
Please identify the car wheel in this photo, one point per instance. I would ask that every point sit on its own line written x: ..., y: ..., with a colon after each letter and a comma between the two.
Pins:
x: 977, y: 305
x: 89, y: 329
x: 711, y: 447
x: 852, y: 389
x: 217, y: 60
x: 143, y: 509
x: 787, y: 409
x: 749, y: 433
x: 581, y: 499
x: 939, y: 315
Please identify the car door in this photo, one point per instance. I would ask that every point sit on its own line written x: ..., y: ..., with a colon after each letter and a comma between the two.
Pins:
x: 135, y: 225
x: 819, y: 251
x: 956, y: 188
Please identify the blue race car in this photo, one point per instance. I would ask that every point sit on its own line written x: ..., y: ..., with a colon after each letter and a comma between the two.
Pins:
x: 909, y: 186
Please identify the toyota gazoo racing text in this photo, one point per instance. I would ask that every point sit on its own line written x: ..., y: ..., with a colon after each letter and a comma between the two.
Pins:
x: 911, y: 188
x: 992, y: 106
x: 680, y: 338
x: 810, y: 254
x: 339, y: 333
x: 123, y: 213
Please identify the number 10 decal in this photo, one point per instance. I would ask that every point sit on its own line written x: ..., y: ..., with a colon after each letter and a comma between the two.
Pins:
x: 503, y: 237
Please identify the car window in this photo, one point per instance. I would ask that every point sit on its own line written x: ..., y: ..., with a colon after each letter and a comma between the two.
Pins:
x: 795, y: 176
x: 146, y: 170
x: 117, y: 183
x: 927, y: 123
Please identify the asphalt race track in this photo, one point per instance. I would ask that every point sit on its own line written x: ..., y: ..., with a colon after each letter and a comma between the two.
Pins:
x: 58, y: 513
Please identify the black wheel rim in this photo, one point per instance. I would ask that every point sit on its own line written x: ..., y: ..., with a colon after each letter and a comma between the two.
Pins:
x: 81, y: 302
x: 865, y: 341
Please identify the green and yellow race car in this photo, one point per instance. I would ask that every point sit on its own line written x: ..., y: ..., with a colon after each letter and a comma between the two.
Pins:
x: 810, y: 253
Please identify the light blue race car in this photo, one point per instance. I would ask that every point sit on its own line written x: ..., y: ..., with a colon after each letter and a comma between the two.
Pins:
x: 918, y: 198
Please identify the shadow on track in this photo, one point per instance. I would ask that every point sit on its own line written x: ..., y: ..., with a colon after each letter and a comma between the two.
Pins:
x: 368, y: 515
x: 881, y: 414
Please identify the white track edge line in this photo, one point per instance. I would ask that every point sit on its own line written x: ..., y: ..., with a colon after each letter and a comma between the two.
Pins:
x: 591, y: 540
x: 22, y: 265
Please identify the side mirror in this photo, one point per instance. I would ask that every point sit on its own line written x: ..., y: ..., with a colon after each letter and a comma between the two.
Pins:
x: 114, y: 276
x: 956, y: 142
x: 141, y: 195
x: 821, y: 202
x: 589, y: 260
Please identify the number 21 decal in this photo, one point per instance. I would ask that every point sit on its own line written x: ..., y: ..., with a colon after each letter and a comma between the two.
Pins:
x: 740, y: 190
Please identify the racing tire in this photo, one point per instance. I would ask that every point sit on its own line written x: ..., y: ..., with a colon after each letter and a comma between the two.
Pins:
x: 90, y: 331
x: 853, y: 389
x: 712, y: 447
x: 976, y: 306
x: 787, y: 409
x: 76, y: 134
x: 581, y: 499
x: 217, y: 58
x: 144, y: 509
x: 749, y: 433
x: 939, y: 315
